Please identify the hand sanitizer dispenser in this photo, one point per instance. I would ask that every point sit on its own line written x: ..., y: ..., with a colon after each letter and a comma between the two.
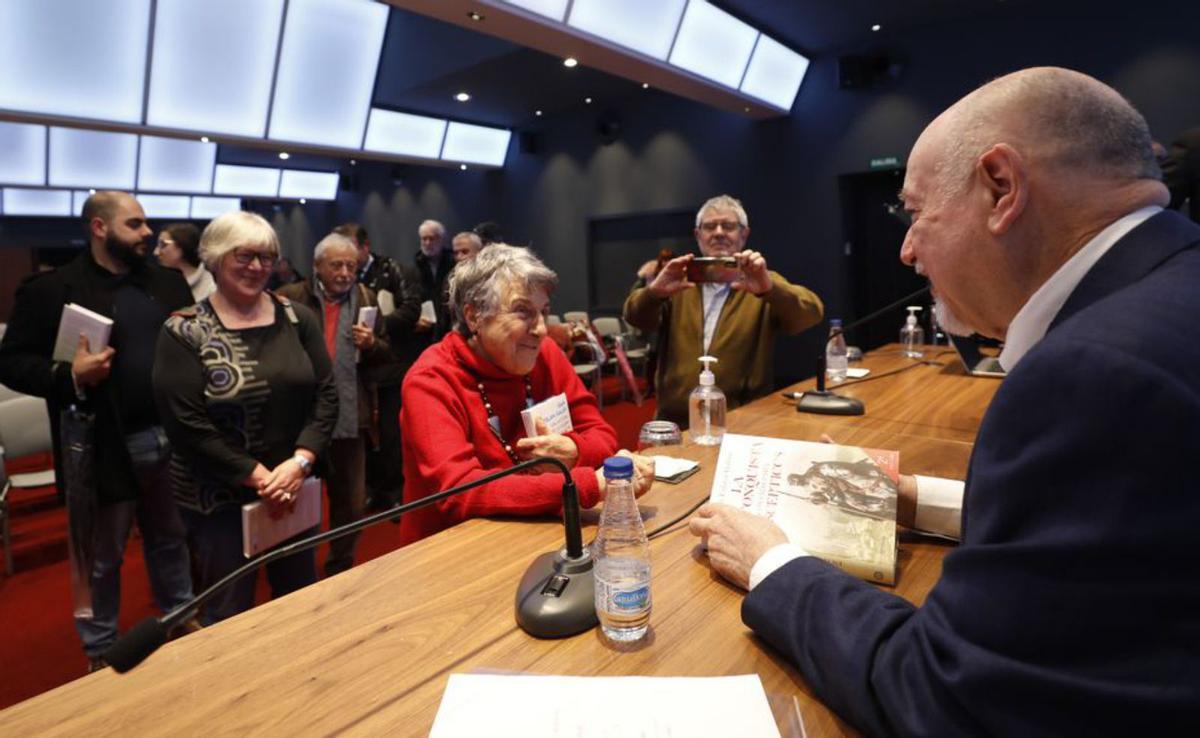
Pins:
x: 706, y: 408
x: 912, y: 335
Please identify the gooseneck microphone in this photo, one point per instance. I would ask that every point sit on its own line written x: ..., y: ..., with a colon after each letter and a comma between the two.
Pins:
x: 555, y: 598
x: 821, y: 402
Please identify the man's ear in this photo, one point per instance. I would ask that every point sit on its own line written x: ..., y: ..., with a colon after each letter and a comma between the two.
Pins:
x: 1002, y: 173
x: 98, y: 228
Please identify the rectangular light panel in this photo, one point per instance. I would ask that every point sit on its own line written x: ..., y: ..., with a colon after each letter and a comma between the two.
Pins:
x: 297, y: 183
x: 212, y: 65
x: 81, y: 58
x: 248, y: 181
x: 99, y: 159
x: 165, y: 206
x: 20, y: 201
x: 476, y: 144
x: 775, y: 73
x: 553, y: 9
x: 713, y: 44
x: 78, y: 198
x: 207, y: 208
x: 176, y: 165
x: 404, y: 134
x: 635, y: 24
x: 22, y: 154
x: 327, y: 71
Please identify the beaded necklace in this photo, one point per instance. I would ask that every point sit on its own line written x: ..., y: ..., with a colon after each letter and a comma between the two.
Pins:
x: 494, y: 420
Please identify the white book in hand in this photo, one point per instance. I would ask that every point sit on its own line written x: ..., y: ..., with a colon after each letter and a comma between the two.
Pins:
x: 366, y: 316
x: 553, y: 411
x: 427, y: 312
x: 76, y: 320
x: 261, y: 532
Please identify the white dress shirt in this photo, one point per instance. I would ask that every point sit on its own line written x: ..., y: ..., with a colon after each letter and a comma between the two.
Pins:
x: 713, y: 297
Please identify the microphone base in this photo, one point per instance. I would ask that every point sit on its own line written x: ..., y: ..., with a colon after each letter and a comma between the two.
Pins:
x: 556, y: 597
x: 827, y: 403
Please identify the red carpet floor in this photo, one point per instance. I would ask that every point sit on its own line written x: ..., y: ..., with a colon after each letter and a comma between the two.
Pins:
x: 39, y: 649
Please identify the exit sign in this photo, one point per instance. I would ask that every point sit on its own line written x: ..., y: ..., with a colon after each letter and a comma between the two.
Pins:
x: 886, y: 162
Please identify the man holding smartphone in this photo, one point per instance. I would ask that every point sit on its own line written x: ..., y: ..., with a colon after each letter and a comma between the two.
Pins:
x: 725, y: 304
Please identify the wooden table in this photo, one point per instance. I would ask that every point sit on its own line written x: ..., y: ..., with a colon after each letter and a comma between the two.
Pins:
x: 369, y: 651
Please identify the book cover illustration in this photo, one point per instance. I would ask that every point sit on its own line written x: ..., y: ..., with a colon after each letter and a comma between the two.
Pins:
x: 836, y: 502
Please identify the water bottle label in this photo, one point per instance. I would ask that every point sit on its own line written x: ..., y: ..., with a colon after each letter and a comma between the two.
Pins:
x: 616, y: 600
x: 632, y: 600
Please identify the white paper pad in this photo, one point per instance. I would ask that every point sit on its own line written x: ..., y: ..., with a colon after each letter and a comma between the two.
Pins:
x: 520, y: 706
x: 667, y: 468
x: 76, y: 320
x: 260, y: 532
x: 553, y: 411
x: 857, y: 372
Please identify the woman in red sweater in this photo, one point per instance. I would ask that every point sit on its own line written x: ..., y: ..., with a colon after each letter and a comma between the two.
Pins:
x: 464, y: 396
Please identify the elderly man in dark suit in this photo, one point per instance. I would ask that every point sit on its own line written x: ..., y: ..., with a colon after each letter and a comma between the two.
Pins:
x: 1071, y: 606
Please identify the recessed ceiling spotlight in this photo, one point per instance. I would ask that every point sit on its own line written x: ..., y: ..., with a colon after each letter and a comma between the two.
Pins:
x: 876, y: 27
x: 462, y: 97
x: 475, y: 16
x: 91, y: 192
x: 587, y: 100
x: 570, y: 61
x: 645, y: 85
x: 354, y: 162
x: 303, y: 201
x: 537, y: 113
x: 746, y: 109
x: 204, y: 139
x: 462, y: 167
x: 284, y: 155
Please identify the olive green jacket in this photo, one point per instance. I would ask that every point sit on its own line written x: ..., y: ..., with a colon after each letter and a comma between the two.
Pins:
x: 743, y: 341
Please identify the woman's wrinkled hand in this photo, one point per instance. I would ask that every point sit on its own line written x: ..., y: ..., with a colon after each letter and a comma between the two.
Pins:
x: 545, y: 443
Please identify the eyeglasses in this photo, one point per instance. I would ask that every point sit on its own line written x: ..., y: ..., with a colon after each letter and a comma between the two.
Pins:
x: 245, y: 257
x: 727, y: 225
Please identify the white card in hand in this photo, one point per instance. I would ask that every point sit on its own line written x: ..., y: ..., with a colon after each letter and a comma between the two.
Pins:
x: 553, y: 411
x: 367, y: 316
x: 427, y: 311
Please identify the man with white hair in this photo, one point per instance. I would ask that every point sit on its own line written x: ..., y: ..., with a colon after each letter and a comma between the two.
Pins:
x: 334, y: 294
x: 737, y: 323
x: 465, y: 245
x: 1070, y: 608
x: 434, y: 264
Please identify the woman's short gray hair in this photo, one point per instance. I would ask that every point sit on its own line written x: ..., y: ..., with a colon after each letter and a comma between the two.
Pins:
x: 481, y: 281
x: 236, y: 228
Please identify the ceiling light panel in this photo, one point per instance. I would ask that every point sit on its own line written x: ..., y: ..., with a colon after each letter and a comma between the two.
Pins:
x: 775, y: 73
x: 78, y: 198
x: 81, y: 58
x: 206, y: 208
x: 635, y: 24
x: 212, y: 65
x: 553, y: 9
x: 248, y: 181
x: 80, y: 158
x: 407, y: 135
x: 21, y: 201
x: 713, y: 44
x: 296, y: 183
x: 22, y: 154
x: 165, y: 206
x: 327, y: 71
x: 176, y: 165
x: 476, y: 144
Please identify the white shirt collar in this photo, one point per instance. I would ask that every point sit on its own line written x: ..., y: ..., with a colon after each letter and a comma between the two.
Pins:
x: 1034, y: 318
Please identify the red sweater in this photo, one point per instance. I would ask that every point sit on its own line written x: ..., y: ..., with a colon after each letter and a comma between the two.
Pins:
x: 447, y: 440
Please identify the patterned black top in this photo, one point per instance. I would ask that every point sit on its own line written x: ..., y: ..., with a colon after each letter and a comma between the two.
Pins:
x: 232, y: 398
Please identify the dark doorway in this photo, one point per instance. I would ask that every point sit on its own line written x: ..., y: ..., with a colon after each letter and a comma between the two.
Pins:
x: 874, y: 234
x: 619, y: 245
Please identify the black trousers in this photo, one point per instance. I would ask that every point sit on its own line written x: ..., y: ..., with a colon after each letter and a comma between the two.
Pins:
x: 385, y: 467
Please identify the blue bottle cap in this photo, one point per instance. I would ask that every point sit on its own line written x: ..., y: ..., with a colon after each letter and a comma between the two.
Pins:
x: 618, y: 467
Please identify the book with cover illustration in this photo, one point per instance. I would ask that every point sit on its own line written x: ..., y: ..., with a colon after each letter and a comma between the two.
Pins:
x: 836, y: 502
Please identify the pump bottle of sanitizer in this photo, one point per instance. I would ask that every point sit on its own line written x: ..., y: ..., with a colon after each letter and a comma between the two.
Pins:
x: 706, y: 408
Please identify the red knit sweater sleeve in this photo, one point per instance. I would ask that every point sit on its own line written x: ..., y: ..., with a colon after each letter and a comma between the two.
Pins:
x: 447, y: 442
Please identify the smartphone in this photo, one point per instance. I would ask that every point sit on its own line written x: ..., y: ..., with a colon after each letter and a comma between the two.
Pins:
x: 713, y: 269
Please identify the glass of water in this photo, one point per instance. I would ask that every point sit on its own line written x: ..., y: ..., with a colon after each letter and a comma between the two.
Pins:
x: 659, y: 433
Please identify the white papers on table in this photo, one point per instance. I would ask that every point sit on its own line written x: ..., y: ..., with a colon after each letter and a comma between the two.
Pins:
x: 76, y: 320
x: 553, y: 411
x: 857, y: 372
x: 520, y: 706
x: 260, y: 531
x: 427, y: 311
x: 387, y: 302
x: 672, y: 470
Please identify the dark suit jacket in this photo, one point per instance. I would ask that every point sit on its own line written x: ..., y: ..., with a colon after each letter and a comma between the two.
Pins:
x: 1072, y: 606
x: 1181, y: 172
x: 436, y: 287
x: 26, y: 365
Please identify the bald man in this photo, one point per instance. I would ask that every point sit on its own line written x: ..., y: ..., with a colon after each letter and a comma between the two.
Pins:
x: 1072, y: 605
x: 111, y: 277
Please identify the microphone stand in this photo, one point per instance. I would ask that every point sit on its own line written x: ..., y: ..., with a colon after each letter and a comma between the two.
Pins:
x: 555, y: 598
x: 822, y: 402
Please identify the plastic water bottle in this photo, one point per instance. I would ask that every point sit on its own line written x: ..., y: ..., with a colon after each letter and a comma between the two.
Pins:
x: 622, y: 556
x: 912, y: 335
x: 706, y: 408
x: 835, y: 353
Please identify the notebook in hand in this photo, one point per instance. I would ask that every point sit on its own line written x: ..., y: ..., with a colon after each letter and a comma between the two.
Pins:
x: 260, y: 532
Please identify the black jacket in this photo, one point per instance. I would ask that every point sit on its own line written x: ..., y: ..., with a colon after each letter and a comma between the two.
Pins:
x: 404, y: 284
x: 26, y: 364
x: 437, y: 289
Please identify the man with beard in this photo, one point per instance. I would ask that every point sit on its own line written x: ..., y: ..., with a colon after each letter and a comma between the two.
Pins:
x: 737, y: 323
x: 113, y: 278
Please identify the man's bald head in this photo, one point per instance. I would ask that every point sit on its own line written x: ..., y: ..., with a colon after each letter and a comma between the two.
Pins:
x: 104, y: 205
x: 1062, y: 122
